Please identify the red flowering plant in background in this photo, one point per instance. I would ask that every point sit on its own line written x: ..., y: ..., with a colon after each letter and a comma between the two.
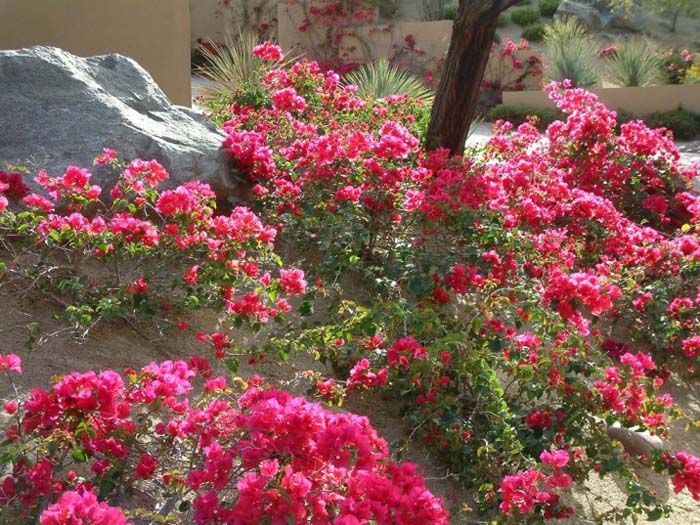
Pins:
x: 510, y: 68
x: 142, y: 251
x: 217, y: 455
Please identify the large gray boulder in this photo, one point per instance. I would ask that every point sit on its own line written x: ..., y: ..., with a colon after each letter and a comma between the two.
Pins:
x: 57, y: 109
x: 597, y: 14
x: 587, y: 14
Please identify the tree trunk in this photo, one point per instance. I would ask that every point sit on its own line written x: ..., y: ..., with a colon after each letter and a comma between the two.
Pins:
x: 674, y: 22
x: 470, y: 47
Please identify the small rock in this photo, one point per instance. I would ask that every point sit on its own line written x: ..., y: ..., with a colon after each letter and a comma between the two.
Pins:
x: 635, y: 442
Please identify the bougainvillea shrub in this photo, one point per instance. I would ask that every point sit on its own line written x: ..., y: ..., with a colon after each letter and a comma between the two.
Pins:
x: 499, y: 283
x: 214, y: 454
x: 136, y: 250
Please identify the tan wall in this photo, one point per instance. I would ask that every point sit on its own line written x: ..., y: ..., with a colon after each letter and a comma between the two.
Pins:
x: 373, y: 42
x: 155, y: 33
x: 206, y: 22
x: 312, y: 41
x: 637, y: 101
x: 212, y: 21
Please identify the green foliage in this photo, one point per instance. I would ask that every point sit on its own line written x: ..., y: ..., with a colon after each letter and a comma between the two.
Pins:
x: 450, y: 11
x: 432, y: 10
x: 684, y: 124
x: 634, y: 63
x: 571, y: 53
x: 518, y: 113
x: 232, y: 68
x: 692, y: 76
x: 504, y: 20
x: 674, y: 9
x: 534, y: 32
x: 524, y: 16
x: 380, y: 79
x: 548, y: 7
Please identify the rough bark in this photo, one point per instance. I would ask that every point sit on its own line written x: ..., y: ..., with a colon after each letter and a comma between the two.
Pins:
x: 674, y: 21
x: 456, y: 97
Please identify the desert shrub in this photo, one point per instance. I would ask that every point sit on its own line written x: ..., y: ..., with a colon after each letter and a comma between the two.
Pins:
x: 571, y: 54
x: 548, y: 8
x: 633, y: 63
x: 518, y: 114
x: 524, y: 16
x: 503, y: 20
x: 534, y: 32
x: 380, y: 79
x: 692, y: 76
x: 231, y: 68
x: 684, y: 124
x: 450, y: 12
x: 432, y: 9
x: 675, y: 64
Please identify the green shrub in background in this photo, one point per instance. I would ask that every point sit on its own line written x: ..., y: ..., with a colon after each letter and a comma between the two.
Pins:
x: 518, y: 113
x: 634, y: 63
x: 503, y: 20
x: 548, y: 7
x: 432, y: 10
x: 692, y: 76
x: 380, y: 79
x: 451, y: 12
x: 571, y: 53
x: 684, y: 124
x: 534, y: 32
x: 524, y: 16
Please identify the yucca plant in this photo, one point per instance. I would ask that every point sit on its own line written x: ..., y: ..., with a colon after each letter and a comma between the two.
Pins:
x: 232, y: 67
x: 635, y: 63
x: 380, y: 79
x: 432, y: 10
x: 571, y: 53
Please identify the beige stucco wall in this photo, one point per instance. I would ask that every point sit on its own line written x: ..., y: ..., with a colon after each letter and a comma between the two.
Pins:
x: 209, y: 21
x: 155, y: 33
x: 212, y: 20
x: 374, y: 42
x: 637, y: 101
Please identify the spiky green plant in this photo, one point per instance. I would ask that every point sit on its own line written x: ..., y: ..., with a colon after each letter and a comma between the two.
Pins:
x: 432, y: 10
x: 571, y: 53
x: 634, y: 63
x: 230, y: 68
x: 380, y: 79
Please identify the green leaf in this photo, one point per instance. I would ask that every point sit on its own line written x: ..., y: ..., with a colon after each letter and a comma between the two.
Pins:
x: 79, y: 455
x: 655, y: 514
x: 232, y: 364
